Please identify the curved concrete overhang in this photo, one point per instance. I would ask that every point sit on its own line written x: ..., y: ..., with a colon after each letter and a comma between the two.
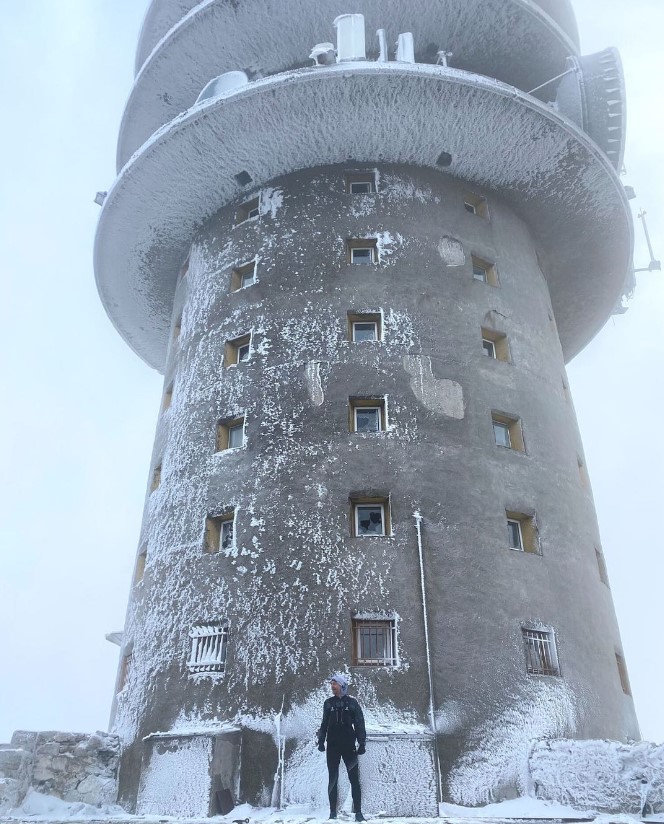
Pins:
x: 514, y: 41
x: 163, y: 15
x: 499, y: 139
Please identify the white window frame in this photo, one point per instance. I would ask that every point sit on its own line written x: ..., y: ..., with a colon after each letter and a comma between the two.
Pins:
x: 209, y: 648
x: 483, y: 277
x: 243, y: 348
x: 373, y: 323
x: 521, y: 547
x: 470, y: 207
x: 540, y: 648
x: 357, y: 505
x: 233, y: 429
x: 379, y: 410
x: 506, y: 429
x: 244, y: 214
x: 361, y: 261
x: 226, y: 525
x: 491, y: 354
x: 391, y: 657
x: 248, y: 277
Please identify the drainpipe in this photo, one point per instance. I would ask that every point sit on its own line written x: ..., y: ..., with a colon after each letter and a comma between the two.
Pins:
x: 425, y: 620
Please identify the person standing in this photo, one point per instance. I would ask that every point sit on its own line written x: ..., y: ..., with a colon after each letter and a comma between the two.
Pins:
x: 343, y: 725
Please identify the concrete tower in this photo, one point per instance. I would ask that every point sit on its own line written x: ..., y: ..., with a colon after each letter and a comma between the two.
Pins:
x: 361, y: 269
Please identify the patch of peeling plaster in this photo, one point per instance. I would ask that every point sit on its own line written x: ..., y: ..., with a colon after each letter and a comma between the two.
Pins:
x: 445, y: 397
x: 451, y: 251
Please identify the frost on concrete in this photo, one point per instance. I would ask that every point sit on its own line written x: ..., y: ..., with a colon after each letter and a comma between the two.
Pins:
x: 314, y: 386
x: 496, y: 761
x: 451, y: 252
x: 445, y: 397
x: 517, y: 146
x: 177, y: 779
x: 604, y: 776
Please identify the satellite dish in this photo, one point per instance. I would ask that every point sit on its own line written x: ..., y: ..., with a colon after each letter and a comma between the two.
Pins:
x: 593, y: 96
x: 224, y: 83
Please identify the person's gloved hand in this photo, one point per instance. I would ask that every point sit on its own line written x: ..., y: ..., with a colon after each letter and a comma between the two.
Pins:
x: 321, y: 746
x: 361, y: 750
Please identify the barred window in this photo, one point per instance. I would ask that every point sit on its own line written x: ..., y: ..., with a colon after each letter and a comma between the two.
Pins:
x: 374, y: 642
x: 540, y: 649
x: 208, y: 648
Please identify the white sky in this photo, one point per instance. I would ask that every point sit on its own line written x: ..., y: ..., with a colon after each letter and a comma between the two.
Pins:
x: 79, y: 408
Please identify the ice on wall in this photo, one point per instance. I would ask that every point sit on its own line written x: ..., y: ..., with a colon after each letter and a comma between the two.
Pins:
x: 177, y: 780
x: 451, y: 251
x: 438, y: 395
x: 497, y: 758
x: 600, y: 775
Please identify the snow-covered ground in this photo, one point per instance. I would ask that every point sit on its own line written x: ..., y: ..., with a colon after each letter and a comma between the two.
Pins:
x: 37, y: 807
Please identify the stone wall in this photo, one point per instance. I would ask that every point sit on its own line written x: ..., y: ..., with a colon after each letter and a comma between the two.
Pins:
x: 604, y: 776
x: 72, y: 766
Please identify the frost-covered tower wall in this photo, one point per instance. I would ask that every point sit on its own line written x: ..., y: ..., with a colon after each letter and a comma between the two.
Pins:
x: 361, y: 280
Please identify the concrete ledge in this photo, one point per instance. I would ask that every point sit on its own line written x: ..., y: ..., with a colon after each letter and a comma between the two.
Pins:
x: 499, y: 139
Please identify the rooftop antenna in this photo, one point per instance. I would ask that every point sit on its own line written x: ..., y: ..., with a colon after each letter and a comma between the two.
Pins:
x: 654, y: 265
x: 442, y: 57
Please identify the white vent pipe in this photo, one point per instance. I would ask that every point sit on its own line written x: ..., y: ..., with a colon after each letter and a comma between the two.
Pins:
x: 350, y: 37
x: 405, y: 48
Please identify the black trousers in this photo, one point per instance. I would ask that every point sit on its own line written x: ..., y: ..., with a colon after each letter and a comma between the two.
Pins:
x: 334, y: 755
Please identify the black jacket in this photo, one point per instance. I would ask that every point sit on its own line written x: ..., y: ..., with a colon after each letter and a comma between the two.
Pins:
x: 343, y: 722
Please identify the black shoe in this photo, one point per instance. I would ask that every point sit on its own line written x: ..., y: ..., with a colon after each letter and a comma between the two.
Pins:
x: 332, y: 815
x: 359, y: 817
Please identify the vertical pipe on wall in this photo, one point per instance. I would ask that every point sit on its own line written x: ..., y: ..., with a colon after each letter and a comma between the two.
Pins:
x: 425, y: 620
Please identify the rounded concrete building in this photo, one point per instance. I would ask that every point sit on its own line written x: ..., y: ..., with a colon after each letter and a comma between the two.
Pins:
x: 361, y: 268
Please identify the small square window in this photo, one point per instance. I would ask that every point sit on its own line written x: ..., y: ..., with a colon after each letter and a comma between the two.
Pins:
x: 484, y: 271
x: 507, y: 431
x: 622, y: 672
x: 237, y: 350
x: 540, y: 648
x: 374, y: 642
x: 495, y: 345
x: 243, y: 276
x: 522, y: 532
x: 361, y: 183
x: 476, y: 205
x: 362, y: 251
x: 220, y: 532
x: 367, y: 415
x: 370, y: 517
x: 209, y: 645
x: 365, y: 327
x: 230, y: 434
x: 125, y: 670
x: 248, y: 210
x: 156, y: 478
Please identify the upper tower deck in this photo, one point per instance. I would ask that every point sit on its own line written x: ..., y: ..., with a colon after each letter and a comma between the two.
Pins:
x: 519, y: 42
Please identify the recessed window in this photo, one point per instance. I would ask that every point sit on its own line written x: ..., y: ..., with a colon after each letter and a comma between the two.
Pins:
x: 177, y: 328
x: 601, y: 566
x: 362, y: 251
x: 248, y: 210
x: 476, y: 205
x: 361, y: 183
x: 156, y: 478
x: 521, y: 532
x: 139, y: 569
x: 507, y: 431
x: 622, y: 672
x: 370, y: 517
x: 184, y: 269
x: 209, y: 645
x: 237, y: 350
x: 243, y: 276
x: 540, y: 648
x: 566, y: 392
x: 367, y: 415
x: 220, y: 531
x: 125, y: 670
x: 168, y: 398
x: 374, y: 642
x: 230, y: 434
x: 365, y: 326
x: 484, y: 271
x: 495, y: 345
x: 583, y: 473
